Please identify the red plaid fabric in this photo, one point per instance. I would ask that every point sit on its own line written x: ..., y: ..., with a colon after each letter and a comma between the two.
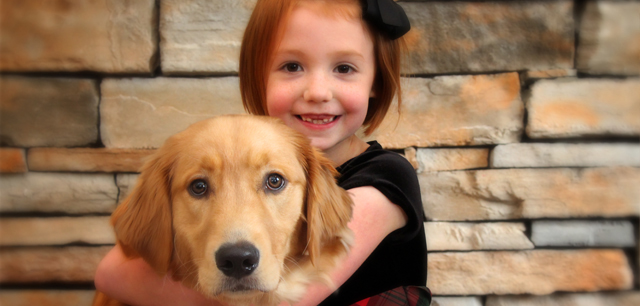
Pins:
x: 401, y: 296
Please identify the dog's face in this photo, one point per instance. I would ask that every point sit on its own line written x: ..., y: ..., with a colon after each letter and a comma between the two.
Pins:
x: 232, y: 204
x: 237, y: 202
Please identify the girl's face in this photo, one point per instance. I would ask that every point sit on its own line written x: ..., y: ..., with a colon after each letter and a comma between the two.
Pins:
x: 321, y: 77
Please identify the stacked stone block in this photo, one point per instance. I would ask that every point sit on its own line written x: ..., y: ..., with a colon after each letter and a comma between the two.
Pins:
x: 521, y: 118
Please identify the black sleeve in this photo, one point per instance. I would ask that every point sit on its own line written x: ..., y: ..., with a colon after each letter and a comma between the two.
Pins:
x: 395, y: 178
x: 401, y: 258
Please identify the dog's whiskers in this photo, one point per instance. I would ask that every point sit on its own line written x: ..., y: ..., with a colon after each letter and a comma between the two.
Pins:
x: 292, y: 260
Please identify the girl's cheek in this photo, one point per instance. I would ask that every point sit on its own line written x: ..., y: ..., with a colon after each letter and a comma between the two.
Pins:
x: 277, y: 104
x: 355, y: 100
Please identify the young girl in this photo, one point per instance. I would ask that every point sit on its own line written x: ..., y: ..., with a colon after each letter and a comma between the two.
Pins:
x: 326, y: 68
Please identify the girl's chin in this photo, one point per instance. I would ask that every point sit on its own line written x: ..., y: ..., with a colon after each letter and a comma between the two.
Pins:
x: 319, y: 143
x: 328, y: 145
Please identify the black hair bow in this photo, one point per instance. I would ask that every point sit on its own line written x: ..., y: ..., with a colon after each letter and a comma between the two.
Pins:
x: 387, y: 16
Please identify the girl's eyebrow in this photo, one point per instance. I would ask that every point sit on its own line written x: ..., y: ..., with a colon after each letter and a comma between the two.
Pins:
x: 339, y: 53
x: 294, y: 52
x: 348, y: 53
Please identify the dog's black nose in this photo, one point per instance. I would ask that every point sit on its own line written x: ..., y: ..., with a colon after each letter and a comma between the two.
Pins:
x: 237, y: 260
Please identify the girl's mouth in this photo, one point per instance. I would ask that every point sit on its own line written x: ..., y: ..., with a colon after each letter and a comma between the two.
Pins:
x: 317, y: 119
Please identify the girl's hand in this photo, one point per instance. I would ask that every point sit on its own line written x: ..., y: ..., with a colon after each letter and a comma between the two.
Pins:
x: 132, y: 281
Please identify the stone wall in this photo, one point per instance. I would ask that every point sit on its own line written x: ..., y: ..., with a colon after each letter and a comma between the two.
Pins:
x: 522, y: 119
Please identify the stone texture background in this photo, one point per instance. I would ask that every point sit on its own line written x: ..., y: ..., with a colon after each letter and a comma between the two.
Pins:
x: 522, y: 119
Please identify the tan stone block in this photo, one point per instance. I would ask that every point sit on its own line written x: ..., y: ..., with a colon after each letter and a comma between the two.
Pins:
x: 46, y: 297
x: 471, y: 36
x: 86, y: 159
x: 12, y: 160
x: 526, y: 155
x: 452, y: 159
x: 125, y: 183
x: 56, y: 112
x: 449, y: 236
x: 609, y: 38
x: 624, y: 298
x: 410, y: 154
x: 530, y: 76
x: 584, y: 107
x: 536, y: 272
x: 530, y: 193
x: 548, y: 74
x: 202, y: 36
x: 455, y: 111
x: 48, y: 264
x: 143, y: 113
x: 456, y: 301
x: 55, y: 231
x: 80, y: 35
x: 58, y: 192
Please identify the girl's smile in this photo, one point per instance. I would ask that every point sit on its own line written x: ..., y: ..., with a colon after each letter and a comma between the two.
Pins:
x: 317, y: 119
x: 321, y: 78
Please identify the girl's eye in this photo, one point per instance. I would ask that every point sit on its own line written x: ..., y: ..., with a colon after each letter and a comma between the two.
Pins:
x: 198, y: 188
x: 292, y: 67
x: 344, y: 69
x: 275, y: 182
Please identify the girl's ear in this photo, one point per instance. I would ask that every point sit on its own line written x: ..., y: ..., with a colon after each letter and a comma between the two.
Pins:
x: 142, y: 222
x: 329, y: 209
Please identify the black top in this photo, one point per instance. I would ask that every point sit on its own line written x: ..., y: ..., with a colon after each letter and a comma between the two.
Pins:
x: 401, y: 258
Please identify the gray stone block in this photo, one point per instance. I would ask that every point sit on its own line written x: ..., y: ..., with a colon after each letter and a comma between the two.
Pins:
x: 143, y: 113
x: 618, y: 234
x: 608, y: 38
x: 528, y: 155
x: 202, y: 36
x: 54, y: 112
x: 485, y: 36
x: 58, y: 192
x: 623, y: 298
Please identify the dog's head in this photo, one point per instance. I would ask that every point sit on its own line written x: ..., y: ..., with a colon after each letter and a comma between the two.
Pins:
x: 232, y: 204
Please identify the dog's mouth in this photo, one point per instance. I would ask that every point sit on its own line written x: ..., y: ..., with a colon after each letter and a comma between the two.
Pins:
x: 240, y: 289
x: 244, y: 286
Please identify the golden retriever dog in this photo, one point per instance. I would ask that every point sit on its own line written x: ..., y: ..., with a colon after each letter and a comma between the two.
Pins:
x: 239, y: 207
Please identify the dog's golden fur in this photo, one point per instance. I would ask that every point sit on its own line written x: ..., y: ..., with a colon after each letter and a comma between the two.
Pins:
x: 300, y: 230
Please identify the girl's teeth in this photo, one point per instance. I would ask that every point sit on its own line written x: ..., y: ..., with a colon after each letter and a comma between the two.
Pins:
x: 318, y: 121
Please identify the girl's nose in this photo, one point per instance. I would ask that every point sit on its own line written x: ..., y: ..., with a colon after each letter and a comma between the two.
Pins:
x: 318, y: 89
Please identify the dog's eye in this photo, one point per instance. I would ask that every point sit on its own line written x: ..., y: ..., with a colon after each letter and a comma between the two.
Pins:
x: 275, y: 182
x: 198, y: 187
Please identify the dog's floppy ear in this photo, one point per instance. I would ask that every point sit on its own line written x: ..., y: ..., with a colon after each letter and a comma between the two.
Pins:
x: 329, y: 207
x: 142, y: 222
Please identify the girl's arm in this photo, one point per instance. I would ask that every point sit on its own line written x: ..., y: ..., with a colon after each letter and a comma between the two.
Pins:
x: 134, y: 282
x: 374, y: 217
